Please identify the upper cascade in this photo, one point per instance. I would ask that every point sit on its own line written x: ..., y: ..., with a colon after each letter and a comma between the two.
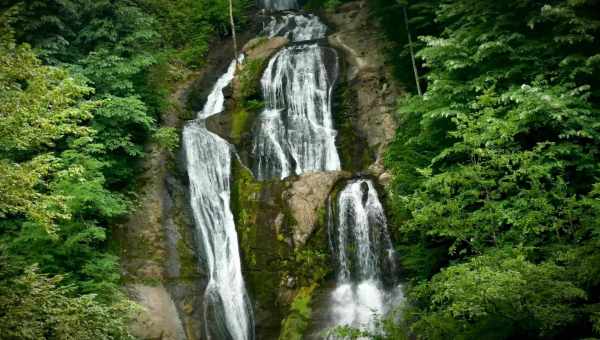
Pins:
x: 279, y: 5
x: 216, y: 99
x: 295, y: 131
x: 296, y: 27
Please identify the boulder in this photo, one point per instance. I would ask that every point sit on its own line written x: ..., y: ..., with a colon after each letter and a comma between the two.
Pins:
x: 263, y: 48
x: 157, y: 317
x: 307, y: 198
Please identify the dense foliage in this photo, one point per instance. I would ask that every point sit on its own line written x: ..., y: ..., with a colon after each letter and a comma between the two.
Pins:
x: 82, y: 85
x: 496, y: 192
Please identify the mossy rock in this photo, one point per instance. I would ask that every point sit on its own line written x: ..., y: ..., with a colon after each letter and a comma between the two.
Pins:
x: 254, y: 43
x: 255, y: 206
x: 298, y: 319
x: 188, y: 262
x: 249, y: 79
x: 355, y: 153
x: 272, y: 267
x: 236, y: 126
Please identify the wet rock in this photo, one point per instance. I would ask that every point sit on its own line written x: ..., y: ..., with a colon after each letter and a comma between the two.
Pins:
x: 385, y: 179
x: 257, y: 52
x: 306, y: 198
x: 157, y: 256
x: 358, y: 38
x: 228, y: 92
x: 376, y: 169
x: 157, y: 318
x: 263, y: 48
x: 278, y: 223
x: 188, y: 308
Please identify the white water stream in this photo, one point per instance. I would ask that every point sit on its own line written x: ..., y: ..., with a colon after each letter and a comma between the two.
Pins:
x: 361, y: 244
x: 296, y: 27
x: 295, y: 132
x: 227, y: 309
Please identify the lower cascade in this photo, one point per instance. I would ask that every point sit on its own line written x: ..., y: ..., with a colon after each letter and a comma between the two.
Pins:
x: 227, y: 308
x: 362, y: 248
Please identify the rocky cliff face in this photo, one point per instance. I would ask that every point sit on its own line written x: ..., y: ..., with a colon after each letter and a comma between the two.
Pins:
x: 368, y: 82
x: 158, y: 259
x: 281, y: 223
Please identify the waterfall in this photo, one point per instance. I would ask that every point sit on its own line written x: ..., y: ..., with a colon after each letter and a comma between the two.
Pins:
x: 279, y: 5
x: 361, y: 245
x: 216, y: 99
x: 295, y: 132
x: 227, y: 308
x: 296, y: 27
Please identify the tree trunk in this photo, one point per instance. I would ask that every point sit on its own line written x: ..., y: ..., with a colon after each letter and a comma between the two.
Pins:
x: 235, y: 48
x: 412, y: 52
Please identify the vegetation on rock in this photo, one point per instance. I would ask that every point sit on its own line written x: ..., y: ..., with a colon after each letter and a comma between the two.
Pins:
x: 355, y: 155
x: 297, y: 321
x: 249, y: 78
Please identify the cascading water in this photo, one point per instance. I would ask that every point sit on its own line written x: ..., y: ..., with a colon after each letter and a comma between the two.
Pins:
x: 279, y: 5
x: 295, y: 131
x: 227, y: 309
x: 294, y: 134
x: 363, y: 250
x: 296, y: 27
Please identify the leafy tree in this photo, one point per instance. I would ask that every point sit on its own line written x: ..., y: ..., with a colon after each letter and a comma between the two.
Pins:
x: 81, y: 90
x: 35, y: 306
x: 39, y: 107
x: 492, y: 295
x: 501, y: 154
x: 54, y: 206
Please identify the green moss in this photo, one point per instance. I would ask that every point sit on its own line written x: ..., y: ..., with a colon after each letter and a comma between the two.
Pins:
x: 310, y: 263
x: 185, y: 114
x: 249, y: 78
x: 288, y: 220
x: 353, y: 149
x: 143, y: 248
x: 238, y: 124
x: 322, y: 216
x: 294, y: 326
x: 269, y: 262
x: 243, y: 118
x: 149, y: 281
x: 187, y: 261
x: 258, y: 243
